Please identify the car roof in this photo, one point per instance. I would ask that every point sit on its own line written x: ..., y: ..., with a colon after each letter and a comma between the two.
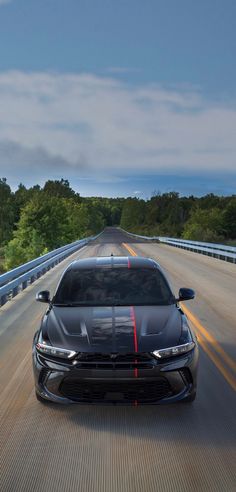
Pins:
x: 114, y: 261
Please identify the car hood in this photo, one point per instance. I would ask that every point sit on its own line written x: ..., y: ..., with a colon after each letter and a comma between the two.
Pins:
x: 113, y: 329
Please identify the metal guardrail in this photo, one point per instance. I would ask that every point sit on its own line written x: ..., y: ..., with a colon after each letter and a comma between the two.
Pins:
x: 19, y: 278
x: 220, y: 251
x: 16, y: 272
x: 217, y: 246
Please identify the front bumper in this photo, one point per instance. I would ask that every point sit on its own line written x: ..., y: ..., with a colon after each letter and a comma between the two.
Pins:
x: 67, y: 382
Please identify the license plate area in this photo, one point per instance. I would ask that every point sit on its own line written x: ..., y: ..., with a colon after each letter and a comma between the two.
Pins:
x: 114, y: 396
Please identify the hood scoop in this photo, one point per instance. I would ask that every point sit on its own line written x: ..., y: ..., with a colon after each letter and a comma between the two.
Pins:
x: 112, y: 329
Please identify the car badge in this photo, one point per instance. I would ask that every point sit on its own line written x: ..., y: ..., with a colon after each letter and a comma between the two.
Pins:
x: 113, y: 356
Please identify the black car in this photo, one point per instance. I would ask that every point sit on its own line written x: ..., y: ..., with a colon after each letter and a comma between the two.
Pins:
x: 114, y: 333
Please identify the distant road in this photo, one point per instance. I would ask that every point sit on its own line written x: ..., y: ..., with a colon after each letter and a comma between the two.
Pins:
x: 148, y: 448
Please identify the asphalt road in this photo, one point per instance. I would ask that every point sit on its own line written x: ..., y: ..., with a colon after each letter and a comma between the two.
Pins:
x: 151, y: 448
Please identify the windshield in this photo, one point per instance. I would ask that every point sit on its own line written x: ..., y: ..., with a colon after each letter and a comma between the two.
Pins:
x: 113, y: 287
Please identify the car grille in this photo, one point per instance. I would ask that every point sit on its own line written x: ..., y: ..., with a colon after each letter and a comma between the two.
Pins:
x: 140, y: 392
x: 115, y: 361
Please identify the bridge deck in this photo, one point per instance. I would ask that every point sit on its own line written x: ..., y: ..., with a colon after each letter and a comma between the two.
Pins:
x: 89, y: 448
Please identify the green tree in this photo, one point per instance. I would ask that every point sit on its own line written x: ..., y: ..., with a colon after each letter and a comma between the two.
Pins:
x: 85, y: 220
x: 115, y: 214
x: 133, y: 214
x: 22, y: 196
x: 229, y: 219
x: 6, y: 212
x: 43, y: 226
x: 204, y: 225
x: 15, y: 254
x: 58, y: 188
x: 48, y: 222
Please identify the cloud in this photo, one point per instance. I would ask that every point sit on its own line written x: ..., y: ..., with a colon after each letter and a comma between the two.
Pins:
x: 16, y: 158
x: 2, y: 2
x: 84, y: 122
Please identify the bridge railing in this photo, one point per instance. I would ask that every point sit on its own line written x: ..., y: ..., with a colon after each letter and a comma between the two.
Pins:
x: 220, y: 251
x: 12, y: 282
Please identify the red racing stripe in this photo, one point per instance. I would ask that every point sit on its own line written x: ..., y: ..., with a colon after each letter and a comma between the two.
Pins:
x: 135, y: 343
x: 135, y: 329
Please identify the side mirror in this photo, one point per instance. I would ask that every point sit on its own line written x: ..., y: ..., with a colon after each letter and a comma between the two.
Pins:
x: 43, y: 296
x: 185, y: 294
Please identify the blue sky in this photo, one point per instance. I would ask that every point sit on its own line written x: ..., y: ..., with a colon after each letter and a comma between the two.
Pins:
x: 119, y: 96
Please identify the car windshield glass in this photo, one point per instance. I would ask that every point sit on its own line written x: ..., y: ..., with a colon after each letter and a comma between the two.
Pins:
x: 113, y: 287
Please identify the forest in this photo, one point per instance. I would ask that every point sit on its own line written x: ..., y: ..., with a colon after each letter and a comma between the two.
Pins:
x: 38, y: 219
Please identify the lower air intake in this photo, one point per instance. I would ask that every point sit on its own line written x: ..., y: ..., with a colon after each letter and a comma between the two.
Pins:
x: 142, y: 392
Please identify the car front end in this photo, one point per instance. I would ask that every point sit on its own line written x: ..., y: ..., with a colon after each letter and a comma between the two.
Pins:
x: 116, y: 378
x: 114, y: 333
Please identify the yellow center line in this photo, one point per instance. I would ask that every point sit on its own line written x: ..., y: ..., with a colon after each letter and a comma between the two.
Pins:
x: 131, y: 251
x: 216, y: 360
x: 203, y: 337
x: 209, y: 338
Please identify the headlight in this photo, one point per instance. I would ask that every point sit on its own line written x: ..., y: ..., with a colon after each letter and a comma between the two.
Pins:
x: 55, y: 351
x: 178, y: 350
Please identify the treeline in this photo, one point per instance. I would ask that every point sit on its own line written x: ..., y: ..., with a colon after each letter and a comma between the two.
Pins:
x: 36, y: 220
x: 209, y: 218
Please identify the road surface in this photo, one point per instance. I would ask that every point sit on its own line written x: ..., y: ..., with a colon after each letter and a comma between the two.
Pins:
x: 151, y: 448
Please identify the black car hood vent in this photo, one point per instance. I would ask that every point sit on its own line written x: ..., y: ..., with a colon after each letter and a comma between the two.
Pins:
x: 113, y: 329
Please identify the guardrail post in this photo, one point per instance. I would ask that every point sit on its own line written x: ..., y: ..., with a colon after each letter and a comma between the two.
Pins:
x: 15, y: 291
x: 3, y: 300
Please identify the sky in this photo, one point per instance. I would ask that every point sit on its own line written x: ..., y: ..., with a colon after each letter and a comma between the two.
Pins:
x: 120, y: 97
